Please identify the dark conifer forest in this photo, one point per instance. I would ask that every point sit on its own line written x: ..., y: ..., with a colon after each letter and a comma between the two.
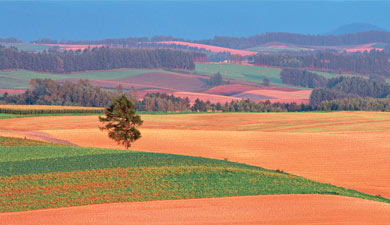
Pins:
x: 367, y: 63
x: 299, y: 39
x: 103, y: 58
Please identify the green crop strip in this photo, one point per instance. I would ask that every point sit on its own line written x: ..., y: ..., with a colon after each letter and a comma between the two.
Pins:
x: 152, y: 183
x: 46, y: 176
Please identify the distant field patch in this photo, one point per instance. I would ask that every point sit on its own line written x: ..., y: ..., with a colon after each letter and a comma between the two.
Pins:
x: 230, y: 89
x: 299, y: 96
x: 210, y: 48
x: 254, y: 74
x: 30, y: 47
x: 19, y: 79
x: 279, y: 48
x: 100, y: 75
x: 169, y: 81
x: 12, y: 91
x: 73, y: 47
x: 47, y: 109
x: 206, y: 97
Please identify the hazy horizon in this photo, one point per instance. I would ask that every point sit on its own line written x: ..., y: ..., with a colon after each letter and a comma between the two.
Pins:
x: 193, y: 20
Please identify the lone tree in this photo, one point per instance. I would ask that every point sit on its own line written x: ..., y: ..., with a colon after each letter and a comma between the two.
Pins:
x: 121, y: 121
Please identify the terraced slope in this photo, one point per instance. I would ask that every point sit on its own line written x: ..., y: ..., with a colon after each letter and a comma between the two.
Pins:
x: 47, y: 176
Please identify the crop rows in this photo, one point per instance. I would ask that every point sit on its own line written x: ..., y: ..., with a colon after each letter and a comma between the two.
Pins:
x: 150, y: 183
x: 42, y: 175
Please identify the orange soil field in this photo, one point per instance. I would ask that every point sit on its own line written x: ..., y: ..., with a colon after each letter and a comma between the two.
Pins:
x: 171, y: 81
x: 358, y: 48
x: 205, y: 97
x: 349, y: 149
x: 12, y: 91
x: 73, y: 47
x: 299, y: 96
x: 247, y: 210
x: 53, y: 107
x: 230, y: 89
x: 211, y: 48
x: 154, y: 80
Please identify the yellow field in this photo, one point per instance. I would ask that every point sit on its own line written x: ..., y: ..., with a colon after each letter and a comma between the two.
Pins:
x: 349, y: 149
x: 47, y: 107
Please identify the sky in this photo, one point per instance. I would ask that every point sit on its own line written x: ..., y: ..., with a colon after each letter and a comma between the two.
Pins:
x: 193, y: 20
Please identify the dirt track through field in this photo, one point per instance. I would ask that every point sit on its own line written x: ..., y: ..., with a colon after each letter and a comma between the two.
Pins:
x: 248, y: 210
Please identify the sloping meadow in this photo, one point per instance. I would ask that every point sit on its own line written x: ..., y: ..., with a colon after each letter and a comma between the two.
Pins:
x: 36, y: 175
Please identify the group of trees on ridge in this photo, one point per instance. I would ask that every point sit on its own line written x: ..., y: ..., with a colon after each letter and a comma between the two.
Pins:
x: 337, y: 88
x: 102, y: 58
x: 302, y: 78
x: 247, y: 42
x: 367, y: 63
x: 342, y: 93
x: 49, y: 92
x: 299, y: 39
x: 349, y: 88
x: 129, y: 42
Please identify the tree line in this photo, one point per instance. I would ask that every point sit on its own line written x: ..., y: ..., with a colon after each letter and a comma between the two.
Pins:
x: 342, y: 93
x: 356, y: 104
x: 245, y: 42
x: 102, y: 58
x: 349, y: 87
x: 366, y: 63
x: 129, y: 42
x: 302, y: 78
x: 299, y: 39
x: 49, y: 92
x: 10, y: 40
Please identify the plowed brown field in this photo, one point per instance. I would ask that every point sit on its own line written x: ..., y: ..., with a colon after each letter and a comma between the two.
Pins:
x: 171, y: 81
x: 154, y: 80
x: 230, y: 89
x: 73, y: 47
x: 210, y: 48
x: 205, y: 97
x: 279, y: 95
x: 12, y: 91
x: 349, y: 149
x: 270, y: 210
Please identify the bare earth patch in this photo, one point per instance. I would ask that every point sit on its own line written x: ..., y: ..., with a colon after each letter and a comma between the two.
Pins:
x: 210, y: 48
x: 271, y: 209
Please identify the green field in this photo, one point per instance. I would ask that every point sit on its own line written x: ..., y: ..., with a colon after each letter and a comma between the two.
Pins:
x: 98, y: 75
x: 332, y: 75
x: 37, y: 175
x: 30, y: 47
x: 241, y: 72
x: 274, y: 49
x: 19, y: 79
x: 252, y: 73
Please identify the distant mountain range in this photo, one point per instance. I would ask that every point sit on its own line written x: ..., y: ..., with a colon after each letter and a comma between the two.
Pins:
x: 355, y: 28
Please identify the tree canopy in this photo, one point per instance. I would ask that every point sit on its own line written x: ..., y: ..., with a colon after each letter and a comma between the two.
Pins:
x: 121, y: 121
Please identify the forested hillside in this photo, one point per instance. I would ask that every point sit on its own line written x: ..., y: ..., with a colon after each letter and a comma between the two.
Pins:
x: 302, y: 78
x: 349, y: 87
x: 368, y: 63
x: 95, y: 59
x: 299, y: 39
